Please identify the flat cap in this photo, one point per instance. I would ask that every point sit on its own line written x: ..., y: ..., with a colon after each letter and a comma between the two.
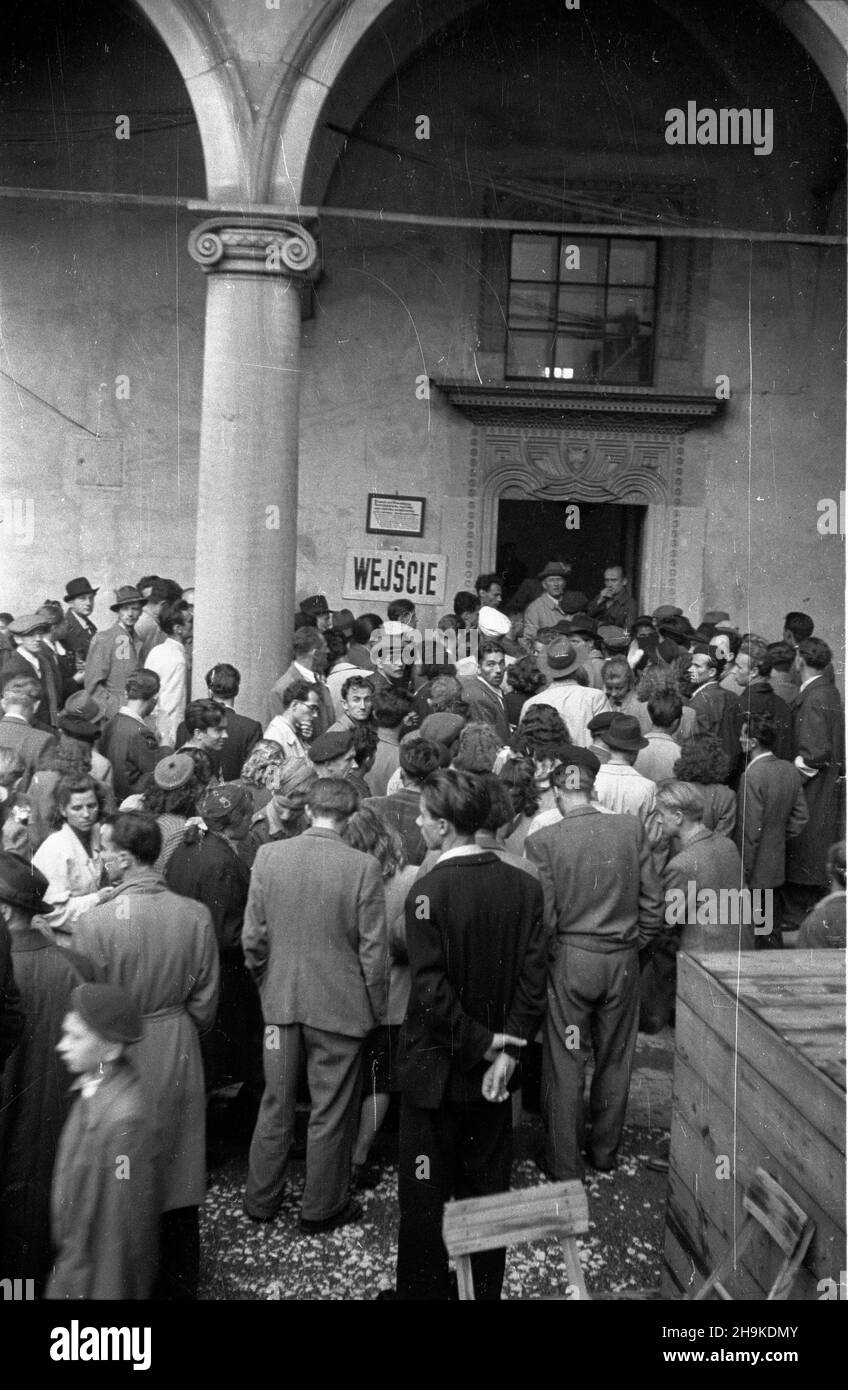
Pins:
x: 29, y: 623
x: 613, y: 638
x: 667, y: 610
x: 316, y: 603
x: 579, y: 757
x: 492, y: 622
x: 22, y: 885
x: 331, y: 745
x: 600, y: 722
x: 108, y: 1011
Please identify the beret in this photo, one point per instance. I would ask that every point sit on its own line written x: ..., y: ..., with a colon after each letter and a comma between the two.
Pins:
x: 173, y: 772
x: 330, y: 745
x: 219, y: 803
x: 490, y: 620
x: 108, y: 1011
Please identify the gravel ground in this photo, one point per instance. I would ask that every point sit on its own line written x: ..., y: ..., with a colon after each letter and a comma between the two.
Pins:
x: 243, y: 1260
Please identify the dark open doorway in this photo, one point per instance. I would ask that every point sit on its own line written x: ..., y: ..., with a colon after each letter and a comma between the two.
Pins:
x: 608, y: 534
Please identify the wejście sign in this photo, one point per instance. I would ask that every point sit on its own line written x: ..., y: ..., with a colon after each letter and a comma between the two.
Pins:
x: 390, y: 574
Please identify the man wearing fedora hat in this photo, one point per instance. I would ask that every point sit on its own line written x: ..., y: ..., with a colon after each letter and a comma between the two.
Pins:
x: 114, y: 654
x: 34, y: 1098
x: 317, y: 610
x: 576, y: 704
x: 78, y: 628
x: 30, y: 658
x: 555, y: 603
x: 618, y: 785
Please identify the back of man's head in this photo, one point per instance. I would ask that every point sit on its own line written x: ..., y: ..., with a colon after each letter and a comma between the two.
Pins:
x: 800, y: 625
x: 685, y: 797
x: 142, y: 685
x: 307, y: 640
x: 762, y: 727
x: 400, y: 610
x: 418, y: 759
x: 137, y: 834
x: 460, y: 798
x: 665, y: 709
x: 223, y: 680
x: 780, y: 656
x: 815, y: 653
x: 500, y: 804
x: 391, y: 708
x: 332, y: 798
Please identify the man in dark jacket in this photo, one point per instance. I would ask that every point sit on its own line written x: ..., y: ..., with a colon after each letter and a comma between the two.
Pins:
x: 223, y: 683
x: 475, y: 938
x: 819, y: 748
x: 419, y: 757
x: 126, y: 741
x: 715, y: 708
x: 34, y: 1091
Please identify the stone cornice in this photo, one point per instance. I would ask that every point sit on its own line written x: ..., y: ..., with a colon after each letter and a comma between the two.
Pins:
x: 266, y: 245
x: 549, y: 405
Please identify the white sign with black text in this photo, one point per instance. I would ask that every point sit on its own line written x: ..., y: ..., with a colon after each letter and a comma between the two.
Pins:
x: 389, y: 574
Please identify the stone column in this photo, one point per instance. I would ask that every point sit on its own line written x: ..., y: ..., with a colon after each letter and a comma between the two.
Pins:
x: 247, y: 491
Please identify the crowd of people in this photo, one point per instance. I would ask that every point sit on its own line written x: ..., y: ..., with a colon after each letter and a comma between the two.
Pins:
x: 438, y: 863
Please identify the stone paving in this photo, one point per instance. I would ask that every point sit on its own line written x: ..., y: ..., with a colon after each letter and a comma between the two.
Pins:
x: 622, y: 1250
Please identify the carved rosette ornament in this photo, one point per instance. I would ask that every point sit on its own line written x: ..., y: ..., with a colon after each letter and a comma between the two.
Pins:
x: 267, y: 246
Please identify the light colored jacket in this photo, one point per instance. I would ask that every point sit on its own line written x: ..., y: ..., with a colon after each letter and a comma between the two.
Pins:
x: 73, y: 875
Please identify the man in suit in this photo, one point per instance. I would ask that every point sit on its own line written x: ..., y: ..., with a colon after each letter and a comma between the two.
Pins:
x: 126, y: 741
x: 476, y: 943
x: 715, y: 709
x: 483, y: 692
x: 819, y: 749
x: 16, y: 729
x: 308, y: 664
x: 114, y: 654
x: 757, y: 697
x: 419, y: 757
x: 603, y: 905
x: 316, y: 944
x: 771, y: 809
x: 30, y: 658
x: 703, y: 859
x: 78, y: 628
x: 223, y: 683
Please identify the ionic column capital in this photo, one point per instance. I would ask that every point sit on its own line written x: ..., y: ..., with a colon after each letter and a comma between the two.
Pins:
x: 267, y: 245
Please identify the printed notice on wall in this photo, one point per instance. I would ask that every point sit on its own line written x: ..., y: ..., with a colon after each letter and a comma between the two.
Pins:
x: 390, y: 574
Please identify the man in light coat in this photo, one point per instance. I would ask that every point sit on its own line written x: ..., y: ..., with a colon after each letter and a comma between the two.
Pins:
x: 161, y: 949
x: 315, y: 942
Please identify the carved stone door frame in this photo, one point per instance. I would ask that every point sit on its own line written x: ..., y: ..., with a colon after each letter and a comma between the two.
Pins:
x: 585, y: 464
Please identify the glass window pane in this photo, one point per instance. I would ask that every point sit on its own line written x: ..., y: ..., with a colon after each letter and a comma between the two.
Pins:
x: 528, y: 354
x: 578, y: 359
x: 592, y: 256
x: 581, y: 312
x: 630, y: 311
x: 531, y: 306
x: 632, y: 262
x: 628, y: 337
x: 534, y: 258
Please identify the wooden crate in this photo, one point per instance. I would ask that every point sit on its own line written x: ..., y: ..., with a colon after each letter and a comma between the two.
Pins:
x: 759, y: 1081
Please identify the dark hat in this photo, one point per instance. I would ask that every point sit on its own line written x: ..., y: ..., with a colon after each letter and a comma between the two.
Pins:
x: 174, y: 772
x: 613, y: 638
x: 314, y: 605
x: 554, y: 567
x: 600, y: 722
x: 29, y: 623
x: 218, y: 804
x: 75, y: 588
x: 126, y: 594
x: 573, y: 601
x: 109, y: 1011
x: 329, y: 746
x: 702, y: 649
x: 343, y: 619
x: 22, y: 885
x: 81, y: 716
x: 643, y: 620
x: 678, y: 628
x: 444, y: 728
x: 579, y: 757
x: 667, y: 610
x: 715, y: 616
x: 581, y: 624
x: 624, y: 733
x: 561, y: 656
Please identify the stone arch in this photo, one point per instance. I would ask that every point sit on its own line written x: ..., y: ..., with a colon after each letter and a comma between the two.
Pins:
x: 328, y: 38
x: 215, y: 88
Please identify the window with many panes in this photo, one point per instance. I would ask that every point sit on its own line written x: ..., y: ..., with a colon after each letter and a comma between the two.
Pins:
x: 581, y: 308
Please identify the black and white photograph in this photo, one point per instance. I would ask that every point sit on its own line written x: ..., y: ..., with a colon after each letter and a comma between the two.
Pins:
x: 422, y: 663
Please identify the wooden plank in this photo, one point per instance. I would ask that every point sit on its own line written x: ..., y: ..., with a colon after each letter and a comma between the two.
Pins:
x: 509, y: 1218
x: 709, y: 1121
x: 789, y: 1072
x: 818, y: 1160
